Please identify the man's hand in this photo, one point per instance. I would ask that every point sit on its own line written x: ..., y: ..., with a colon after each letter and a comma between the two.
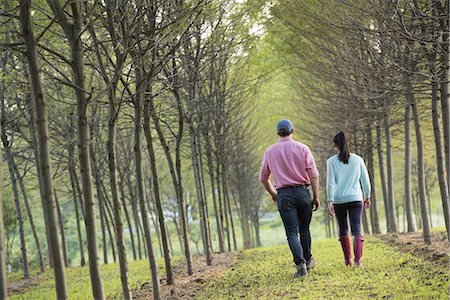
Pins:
x: 315, y: 188
x: 367, y: 203
x: 331, y: 208
x: 315, y: 203
x: 274, y: 198
x: 270, y: 189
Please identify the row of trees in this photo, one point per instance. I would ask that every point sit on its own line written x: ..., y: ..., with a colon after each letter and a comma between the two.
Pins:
x: 114, y: 106
x: 377, y: 69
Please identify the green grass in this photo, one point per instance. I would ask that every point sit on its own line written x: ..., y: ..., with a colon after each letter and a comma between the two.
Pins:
x: 266, y: 273
x: 79, y: 284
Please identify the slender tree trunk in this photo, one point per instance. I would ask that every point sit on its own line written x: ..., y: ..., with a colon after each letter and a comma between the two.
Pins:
x: 382, y: 174
x: 137, y: 223
x: 61, y: 229
x: 213, y: 192
x: 30, y: 217
x: 180, y: 237
x: 77, y: 213
x: 371, y: 169
x: 138, y: 101
x: 230, y: 214
x: 390, y: 175
x: 148, y: 111
x: 44, y: 151
x: 444, y: 88
x: 200, y: 196
x: 175, y: 172
x: 12, y: 175
x: 440, y: 158
x: 205, y: 199
x: 127, y: 215
x: 101, y: 208
x: 118, y: 225
x: 408, y: 194
x: 421, y: 173
x: 3, y: 285
x: 34, y: 146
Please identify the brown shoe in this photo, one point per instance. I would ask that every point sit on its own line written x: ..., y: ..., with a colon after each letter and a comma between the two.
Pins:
x: 311, y: 264
x: 301, y: 270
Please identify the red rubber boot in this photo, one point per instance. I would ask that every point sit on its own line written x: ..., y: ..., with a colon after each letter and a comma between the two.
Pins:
x: 345, y: 243
x: 358, y: 249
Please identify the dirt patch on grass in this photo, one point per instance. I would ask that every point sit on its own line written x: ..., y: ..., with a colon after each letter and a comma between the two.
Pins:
x: 437, y: 252
x: 19, y: 285
x: 187, y: 287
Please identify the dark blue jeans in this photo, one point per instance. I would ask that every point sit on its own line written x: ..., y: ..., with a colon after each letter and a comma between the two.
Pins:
x: 354, y: 212
x: 295, y: 207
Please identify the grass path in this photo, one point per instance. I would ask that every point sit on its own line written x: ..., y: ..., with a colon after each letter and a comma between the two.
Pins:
x: 266, y: 273
x: 79, y: 284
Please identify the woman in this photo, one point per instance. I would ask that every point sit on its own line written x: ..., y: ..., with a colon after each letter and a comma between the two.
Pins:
x: 348, y: 185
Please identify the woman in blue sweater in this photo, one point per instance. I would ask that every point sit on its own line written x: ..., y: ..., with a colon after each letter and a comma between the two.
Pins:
x: 348, y: 193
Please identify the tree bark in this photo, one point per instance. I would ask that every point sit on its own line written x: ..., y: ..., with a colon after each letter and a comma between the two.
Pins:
x: 44, y: 151
x: 390, y: 175
x: 138, y: 101
x: 421, y: 174
x: 77, y: 213
x: 382, y: 174
x: 408, y: 195
x: 3, y: 285
x: 375, y: 222
x: 148, y: 111
x: 118, y: 225
x: 30, y: 216
x: 61, y: 230
x: 12, y: 175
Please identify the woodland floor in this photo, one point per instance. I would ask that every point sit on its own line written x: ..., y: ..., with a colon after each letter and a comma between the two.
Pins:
x: 395, y: 267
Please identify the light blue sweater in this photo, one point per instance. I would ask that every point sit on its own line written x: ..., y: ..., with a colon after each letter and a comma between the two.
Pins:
x: 344, y: 181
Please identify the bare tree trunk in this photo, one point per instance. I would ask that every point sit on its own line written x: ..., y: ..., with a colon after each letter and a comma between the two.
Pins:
x: 118, y: 225
x: 390, y: 175
x: 439, y: 157
x: 73, y: 32
x: 213, y: 192
x: 382, y: 174
x: 44, y: 151
x: 230, y: 214
x: 77, y: 213
x: 3, y: 285
x: 148, y: 111
x: 34, y: 146
x: 200, y: 196
x: 12, y: 175
x: 30, y: 217
x: 408, y: 194
x: 175, y: 172
x: 421, y: 173
x: 371, y: 169
x: 127, y: 215
x: 61, y: 230
x: 138, y: 101
x: 137, y: 223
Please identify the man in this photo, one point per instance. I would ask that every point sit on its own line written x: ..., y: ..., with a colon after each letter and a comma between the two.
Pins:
x: 294, y: 170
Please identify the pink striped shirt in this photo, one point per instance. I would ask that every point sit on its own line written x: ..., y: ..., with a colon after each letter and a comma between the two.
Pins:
x: 289, y: 162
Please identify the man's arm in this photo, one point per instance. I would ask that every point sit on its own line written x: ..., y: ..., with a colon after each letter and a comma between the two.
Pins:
x: 315, y: 188
x: 270, y: 189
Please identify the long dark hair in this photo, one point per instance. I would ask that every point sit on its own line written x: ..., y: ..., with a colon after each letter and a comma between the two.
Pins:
x: 341, y: 143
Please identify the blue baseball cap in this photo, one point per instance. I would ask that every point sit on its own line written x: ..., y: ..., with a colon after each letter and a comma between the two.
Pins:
x: 285, y: 124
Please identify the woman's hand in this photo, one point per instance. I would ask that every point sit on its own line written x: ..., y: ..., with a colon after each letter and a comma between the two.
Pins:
x: 331, y: 208
x: 367, y: 203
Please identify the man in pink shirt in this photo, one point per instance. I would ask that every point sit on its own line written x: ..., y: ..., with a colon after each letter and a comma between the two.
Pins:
x: 293, y: 168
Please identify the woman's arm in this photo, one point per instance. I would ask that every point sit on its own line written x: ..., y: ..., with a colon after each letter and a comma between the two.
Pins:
x: 365, y: 180
x: 331, y: 182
